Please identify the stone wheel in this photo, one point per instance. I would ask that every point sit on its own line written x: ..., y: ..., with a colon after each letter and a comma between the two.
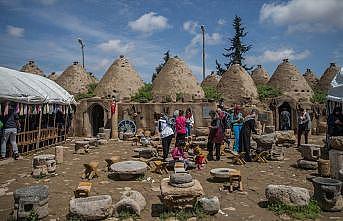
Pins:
x: 129, y: 169
x: 222, y: 172
x: 127, y: 126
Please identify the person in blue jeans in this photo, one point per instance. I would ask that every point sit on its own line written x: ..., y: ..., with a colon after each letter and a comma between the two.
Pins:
x: 10, y: 120
x: 237, y: 122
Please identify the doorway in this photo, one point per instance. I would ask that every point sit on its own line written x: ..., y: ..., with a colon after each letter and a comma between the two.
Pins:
x: 97, y: 118
x: 285, y: 116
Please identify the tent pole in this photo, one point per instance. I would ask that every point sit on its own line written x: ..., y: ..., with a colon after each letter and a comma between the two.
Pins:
x: 65, y: 123
x: 24, y: 129
x: 39, y: 128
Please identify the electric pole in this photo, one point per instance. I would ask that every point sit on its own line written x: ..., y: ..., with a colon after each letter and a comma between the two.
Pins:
x: 203, y: 51
x: 83, y: 54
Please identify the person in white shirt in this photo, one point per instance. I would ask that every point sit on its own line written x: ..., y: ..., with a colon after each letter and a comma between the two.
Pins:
x: 166, y: 133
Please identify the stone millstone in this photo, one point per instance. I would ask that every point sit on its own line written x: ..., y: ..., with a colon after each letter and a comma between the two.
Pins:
x: 130, y: 200
x: 180, y: 178
x: 289, y: 195
x: 129, y: 169
x: 222, y: 172
x: 91, y: 208
x: 183, y: 185
x: 210, y: 205
x: 92, y: 141
x: 146, y: 152
x: 307, y: 165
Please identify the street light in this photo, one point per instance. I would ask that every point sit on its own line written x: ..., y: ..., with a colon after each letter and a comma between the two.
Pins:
x: 83, y: 54
x: 203, y: 51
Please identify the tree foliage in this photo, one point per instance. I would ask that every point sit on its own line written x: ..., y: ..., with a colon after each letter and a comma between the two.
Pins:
x: 220, y: 71
x: 144, y: 94
x: 90, y: 93
x: 211, y: 93
x: 266, y: 91
x: 235, y: 53
x: 160, y: 66
x: 319, y: 96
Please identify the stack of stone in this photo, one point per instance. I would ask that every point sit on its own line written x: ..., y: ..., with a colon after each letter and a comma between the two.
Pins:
x: 310, y: 154
x: 104, y: 135
x: 336, y: 156
x: 28, y: 199
x: 42, y: 165
x: 180, y: 191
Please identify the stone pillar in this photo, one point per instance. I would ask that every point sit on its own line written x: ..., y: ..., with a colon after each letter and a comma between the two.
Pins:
x: 114, y: 123
x: 59, y: 154
x: 336, y: 162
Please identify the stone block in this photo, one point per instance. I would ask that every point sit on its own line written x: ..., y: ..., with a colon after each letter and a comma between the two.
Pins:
x: 310, y: 152
x: 210, y: 205
x: 277, y: 153
x: 131, y: 200
x: 265, y: 141
x: 59, y: 154
x: 336, y: 162
x: 336, y: 142
x: 40, y: 160
x: 40, y: 171
x: 289, y: 195
x: 51, y: 166
x: 286, y: 136
x: 307, y: 165
x: 202, y: 131
x: 91, y: 208
x: 269, y: 129
x: 81, y: 147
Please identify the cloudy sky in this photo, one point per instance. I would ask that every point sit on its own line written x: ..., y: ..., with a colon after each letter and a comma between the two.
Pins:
x: 308, y: 32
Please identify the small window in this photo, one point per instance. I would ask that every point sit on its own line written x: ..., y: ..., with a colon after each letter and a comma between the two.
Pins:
x: 302, y: 90
x: 296, y: 90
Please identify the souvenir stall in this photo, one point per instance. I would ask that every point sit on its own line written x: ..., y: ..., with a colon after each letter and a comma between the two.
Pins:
x: 44, y: 108
x: 335, y: 94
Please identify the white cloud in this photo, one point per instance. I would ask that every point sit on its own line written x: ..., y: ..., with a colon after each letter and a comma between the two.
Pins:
x: 304, y: 15
x: 117, y: 46
x: 193, y: 47
x: 102, y: 64
x: 277, y: 55
x: 15, y: 31
x: 191, y: 26
x: 221, y: 21
x: 149, y: 22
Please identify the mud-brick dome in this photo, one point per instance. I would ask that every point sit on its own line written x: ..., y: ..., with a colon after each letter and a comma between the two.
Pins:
x: 259, y: 75
x: 290, y: 82
x: 176, y: 78
x: 211, y: 80
x: 311, y: 79
x: 327, y: 77
x: 53, y: 76
x: 75, y: 79
x: 32, y: 67
x: 237, y: 87
x: 120, y: 80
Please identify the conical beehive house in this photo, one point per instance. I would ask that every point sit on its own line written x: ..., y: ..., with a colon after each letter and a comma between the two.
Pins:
x: 260, y: 76
x: 211, y: 80
x: 75, y: 79
x: 311, y: 79
x: 31, y: 67
x: 327, y: 77
x: 176, y: 80
x: 237, y: 87
x: 53, y: 76
x: 290, y: 82
x: 120, y: 80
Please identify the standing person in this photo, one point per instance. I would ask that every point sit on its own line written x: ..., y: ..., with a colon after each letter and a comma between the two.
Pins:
x: 285, y: 118
x: 10, y: 120
x: 180, y: 126
x: 249, y: 126
x: 226, y: 117
x: 237, y: 122
x: 304, y: 125
x: 335, y: 122
x: 189, y: 122
x: 216, y: 136
x: 166, y: 133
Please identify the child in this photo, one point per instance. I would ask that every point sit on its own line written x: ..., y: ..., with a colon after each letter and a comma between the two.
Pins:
x: 179, y: 154
x: 200, y: 158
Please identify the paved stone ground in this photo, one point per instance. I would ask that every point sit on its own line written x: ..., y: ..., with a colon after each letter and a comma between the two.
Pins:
x: 235, y: 206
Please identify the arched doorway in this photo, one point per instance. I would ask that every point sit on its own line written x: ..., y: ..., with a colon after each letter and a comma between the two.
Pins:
x: 97, y: 118
x: 285, y: 116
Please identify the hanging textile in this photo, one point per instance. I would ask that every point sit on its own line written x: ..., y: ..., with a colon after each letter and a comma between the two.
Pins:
x: 21, y: 113
x: 6, y: 109
x: 17, y: 110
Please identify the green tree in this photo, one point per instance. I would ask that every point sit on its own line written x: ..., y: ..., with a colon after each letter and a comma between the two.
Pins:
x: 160, y: 66
x: 144, y: 94
x: 235, y: 53
x: 220, y: 71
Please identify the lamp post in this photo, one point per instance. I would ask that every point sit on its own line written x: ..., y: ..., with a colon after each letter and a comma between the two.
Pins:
x: 83, y: 54
x: 203, y: 51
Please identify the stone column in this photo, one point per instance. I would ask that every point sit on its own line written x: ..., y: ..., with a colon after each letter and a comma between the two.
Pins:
x: 114, y: 123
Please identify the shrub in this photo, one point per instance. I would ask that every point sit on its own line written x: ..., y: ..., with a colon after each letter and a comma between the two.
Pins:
x: 266, y: 91
x: 319, y: 96
x: 211, y: 93
x: 90, y: 93
x: 179, y: 96
x: 144, y: 94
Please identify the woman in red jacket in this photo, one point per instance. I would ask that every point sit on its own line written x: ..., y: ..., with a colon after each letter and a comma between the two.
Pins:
x: 180, y: 127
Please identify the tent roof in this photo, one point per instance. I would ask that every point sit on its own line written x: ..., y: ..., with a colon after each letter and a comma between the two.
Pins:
x: 30, y: 88
x: 336, y: 91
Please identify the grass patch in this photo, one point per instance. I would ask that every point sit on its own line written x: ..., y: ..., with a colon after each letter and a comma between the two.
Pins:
x: 33, y: 216
x: 311, y: 211
x: 126, y: 214
x: 185, y: 214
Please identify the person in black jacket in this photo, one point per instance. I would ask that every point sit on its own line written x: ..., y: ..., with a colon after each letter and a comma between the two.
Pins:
x: 335, y: 122
x: 249, y: 126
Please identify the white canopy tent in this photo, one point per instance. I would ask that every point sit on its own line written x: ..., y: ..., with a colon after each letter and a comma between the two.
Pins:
x: 335, y: 94
x: 28, y: 88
